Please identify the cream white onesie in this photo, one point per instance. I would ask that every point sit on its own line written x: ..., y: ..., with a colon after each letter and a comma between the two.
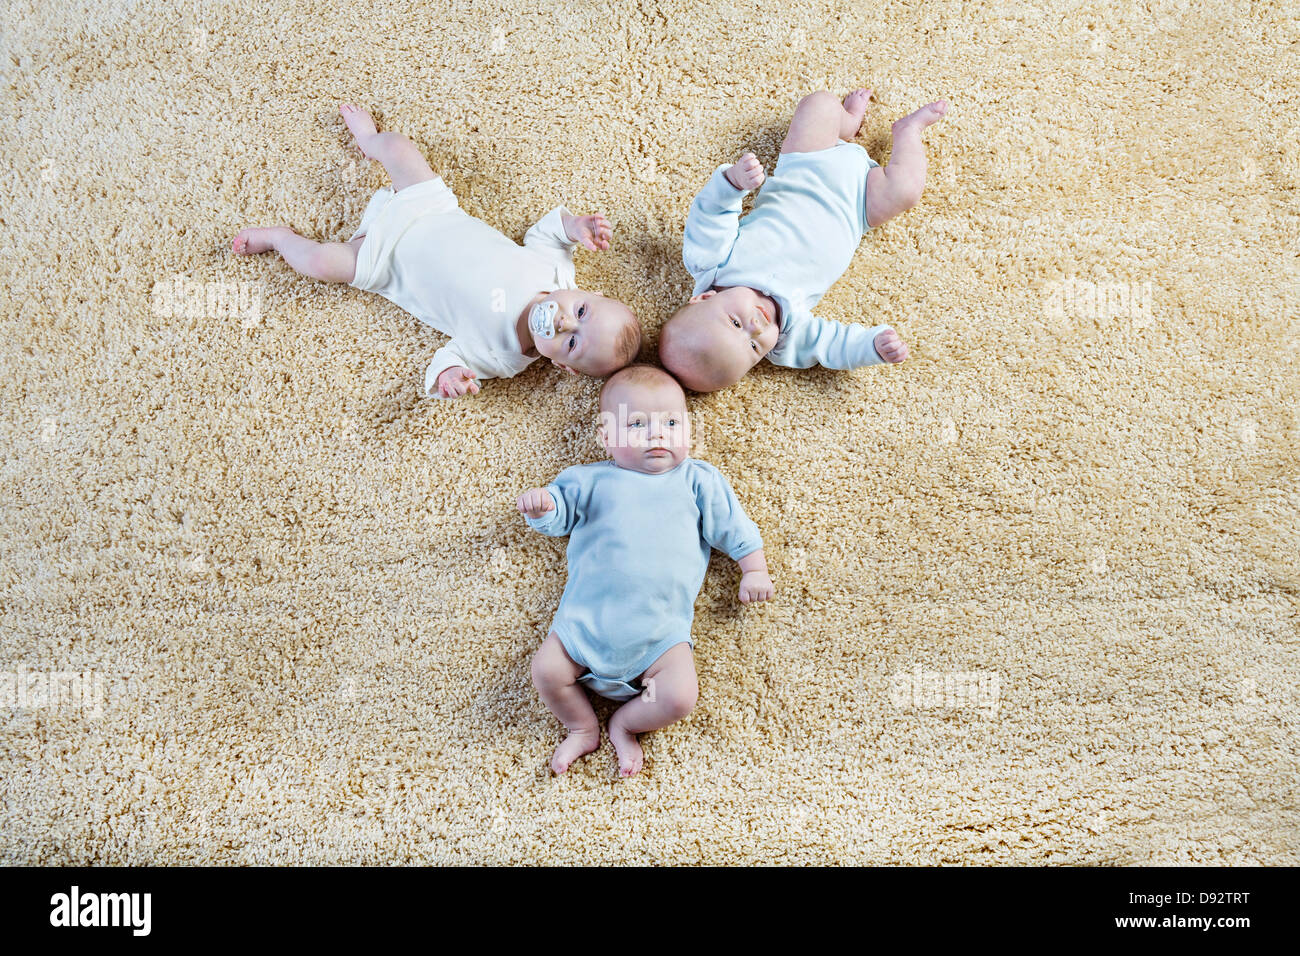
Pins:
x: 424, y: 253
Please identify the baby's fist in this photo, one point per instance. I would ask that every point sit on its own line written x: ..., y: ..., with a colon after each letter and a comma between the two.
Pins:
x: 536, y: 502
x: 746, y: 172
x: 456, y: 381
x: 891, y: 347
x: 755, y: 586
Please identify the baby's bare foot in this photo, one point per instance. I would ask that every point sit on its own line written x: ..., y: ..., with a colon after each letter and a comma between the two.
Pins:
x: 855, y: 104
x: 361, y: 123
x: 630, y: 756
x: 922, y: 117
x: 254, y: 240
x: 578, y: 743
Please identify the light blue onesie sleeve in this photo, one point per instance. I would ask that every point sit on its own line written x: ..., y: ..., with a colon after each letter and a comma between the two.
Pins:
x: 566, y: 491
x: 548, y: 238
x: 723, y: 522
x: 807, y: 341
x: 712, y: 224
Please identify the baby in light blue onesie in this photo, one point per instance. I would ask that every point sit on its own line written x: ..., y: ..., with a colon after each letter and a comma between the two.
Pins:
x: 640, y: 531
x: 757, y: 279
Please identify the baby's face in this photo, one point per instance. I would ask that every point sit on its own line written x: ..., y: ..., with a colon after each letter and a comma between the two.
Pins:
x: 752, y: 331
x: 644, y: 426
x: 729, y: 331
x: 587, y: 329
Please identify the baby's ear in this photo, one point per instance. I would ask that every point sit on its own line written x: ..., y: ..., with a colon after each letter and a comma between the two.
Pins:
x: 704, y: 295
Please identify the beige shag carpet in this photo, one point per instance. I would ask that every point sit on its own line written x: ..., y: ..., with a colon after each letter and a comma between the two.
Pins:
x: 1037, y: 588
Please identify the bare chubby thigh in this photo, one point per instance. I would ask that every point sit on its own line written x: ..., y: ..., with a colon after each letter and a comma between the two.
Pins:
x: 552, y: 650
x: 678, y: 658
x: 815, y: 125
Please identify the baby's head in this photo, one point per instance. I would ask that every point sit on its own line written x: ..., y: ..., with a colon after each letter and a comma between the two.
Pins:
x: 590, y: 333
x: 643, y: 423
x: 717, y: 337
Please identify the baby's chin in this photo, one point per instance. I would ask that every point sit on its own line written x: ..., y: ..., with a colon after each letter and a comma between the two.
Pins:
x: 653, y: 462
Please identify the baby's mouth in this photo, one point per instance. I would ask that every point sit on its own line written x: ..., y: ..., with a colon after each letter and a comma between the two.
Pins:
x: 541, y: 320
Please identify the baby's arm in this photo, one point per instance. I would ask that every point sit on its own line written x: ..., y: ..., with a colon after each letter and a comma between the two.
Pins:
x: 811, y: 341
x: 725, y: 526
x: 712, y: 223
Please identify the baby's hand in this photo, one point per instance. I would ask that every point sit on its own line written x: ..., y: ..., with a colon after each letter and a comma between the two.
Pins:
x: 755, y: 586
x: 536, y: 502
x: 456, y: 381
x: 746, y: 173
x: 593, y: 232
x: 891, y: 347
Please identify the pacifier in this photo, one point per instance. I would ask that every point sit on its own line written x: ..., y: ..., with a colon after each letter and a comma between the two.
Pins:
x: 541, y: 320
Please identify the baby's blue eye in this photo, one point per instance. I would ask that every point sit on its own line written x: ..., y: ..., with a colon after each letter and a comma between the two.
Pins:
x: 582, y: 310
x: 754, y: 344
x: 572, y: 339
x: 736, y: 322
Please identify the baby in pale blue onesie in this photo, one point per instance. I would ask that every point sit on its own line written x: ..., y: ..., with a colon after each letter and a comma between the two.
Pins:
x: 640, y: 531
x: 757, y: 279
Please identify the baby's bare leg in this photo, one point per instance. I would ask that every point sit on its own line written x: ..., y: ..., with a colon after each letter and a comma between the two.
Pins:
x: 555, y: 675
x: 671, y: 690
x: 405, y: 164
x: 821, y: 120
x: 337, y: 261
x: 897, y: 187
x: 330, y: 261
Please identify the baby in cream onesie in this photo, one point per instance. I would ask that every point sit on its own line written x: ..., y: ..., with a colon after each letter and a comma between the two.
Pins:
x: 640, y: 530
x: 757, y: 279
x: 503, y: 305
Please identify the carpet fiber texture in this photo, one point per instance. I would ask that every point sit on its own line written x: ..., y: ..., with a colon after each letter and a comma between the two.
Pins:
x: 1036, y: 588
